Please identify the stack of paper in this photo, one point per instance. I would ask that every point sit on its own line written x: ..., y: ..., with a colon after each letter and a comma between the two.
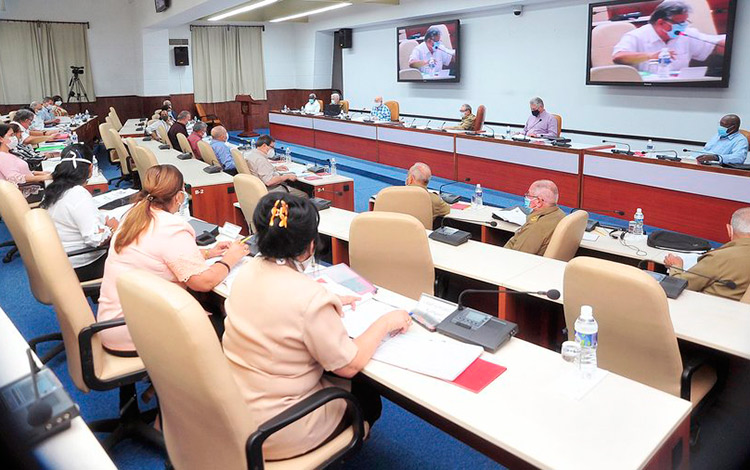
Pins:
x: 109, y: 196
x: 514, y: 215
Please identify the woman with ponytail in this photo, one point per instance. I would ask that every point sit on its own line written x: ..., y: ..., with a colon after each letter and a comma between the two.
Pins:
x: 153, y: 238
x: 79, y: 223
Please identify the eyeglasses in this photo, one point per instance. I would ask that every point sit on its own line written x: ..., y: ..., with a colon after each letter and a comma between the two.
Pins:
x: 530, y: 196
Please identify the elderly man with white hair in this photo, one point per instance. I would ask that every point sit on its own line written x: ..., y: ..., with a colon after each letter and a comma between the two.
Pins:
x: 731, y: 261
x: 540, y: 123
x: 534, y: 236
x: 419, y: 175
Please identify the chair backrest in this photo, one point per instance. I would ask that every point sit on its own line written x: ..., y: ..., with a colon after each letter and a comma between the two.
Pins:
x: 121, y: 151
x: 345, y: 105
x: 445, y: 37
x: 205, y: 420
x: 72, y: 308
x: 161, y: 131
x: 144, y: 159
x: 745, y: 133
x: 116, y: 121
x: 12, y: 115
x: 604, y: 38
x: 239, y: 162
x: 567, y: 236
x: 108, y: 120
x: 393, y: 107
x: 615, y: 73
x: 184, y: 144
x: 405, y: 49
x: 636, y: 338
x: 107, y: 139
x: 392, y: 251
x: 746, y: 298
x: 409, y: 200
x: 249, y: 189
x: 409, y: 74
x: 13, y: 210
x: 322, y: 106
x: 200, y: 111
x: 479, y: 121
x: 559, y: 123
x: 208, y: 154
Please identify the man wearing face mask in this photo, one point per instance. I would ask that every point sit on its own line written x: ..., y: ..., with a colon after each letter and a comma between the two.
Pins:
x: 540, y: 123
x: 668, y: 28
x: 467, y: 119
x: 380, y: 112
x: 728, y: 145
x: 534, y: 236
x: 163, y: 121
x: 431, y: 56
x: 219, y: 137
x: 260, y: 166
x: 46, y: 112
x: 312, y: 106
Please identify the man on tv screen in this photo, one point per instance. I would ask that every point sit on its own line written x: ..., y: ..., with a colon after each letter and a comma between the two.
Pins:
x: 431, y: 57
x: 668, y: 31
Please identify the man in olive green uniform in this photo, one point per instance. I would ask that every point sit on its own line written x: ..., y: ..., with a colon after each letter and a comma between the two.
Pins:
x: 534, y: 236
x: 729, y: 262
x: 419, y: 175
x: 467, y: 119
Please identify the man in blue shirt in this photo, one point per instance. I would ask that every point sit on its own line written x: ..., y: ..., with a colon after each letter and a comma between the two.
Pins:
x: 380, y: 112
x: 46, y: 112
x: 728, y: 145
x: 219, y: 145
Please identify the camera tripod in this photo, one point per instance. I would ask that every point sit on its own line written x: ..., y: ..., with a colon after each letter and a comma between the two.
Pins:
x: 76, y: 89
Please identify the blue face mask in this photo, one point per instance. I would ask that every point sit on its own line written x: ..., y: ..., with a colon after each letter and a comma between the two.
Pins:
x: 527, y: 203
x: 677, y: 29
x: 436, y: 45
x: 312, y: 100
x: 723, y: 131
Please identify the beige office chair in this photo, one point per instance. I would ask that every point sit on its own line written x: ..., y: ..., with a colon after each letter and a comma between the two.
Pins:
x: 184, y: 144
x: 345, y: 105
x: 161, y: 131
x: 239, y: 162
x: 122, y: 152
x: 604, y: 38
x: 746, y: 134
x: 116, y: 121
x: 409, y: 200
x: 445, y: 36
x: 567, y: 236
x: 208, y: 154
x: 392, y: 251
x: 89, y: 365
x: 249, y: 189
x: 210, y: 119
x: 701, y: 16
x: 479, y: 121
x: 322, y: 106
x: 207, y: 423
x: 110, y: 122
x: 12, y: 115
x: 409, y: 74
x: 558, y: 118
x: 108, y: 144
x: 144, y: 159
x: 636, y: 337
x: 405, y: 48
x: 615, y: 73
x: 746, y: 298
x: 393, y: 107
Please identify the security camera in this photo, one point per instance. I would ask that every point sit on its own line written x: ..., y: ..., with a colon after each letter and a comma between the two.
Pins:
x: 517, y: 10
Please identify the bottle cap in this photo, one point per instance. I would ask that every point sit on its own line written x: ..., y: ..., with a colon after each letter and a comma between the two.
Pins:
x: 587, y: 312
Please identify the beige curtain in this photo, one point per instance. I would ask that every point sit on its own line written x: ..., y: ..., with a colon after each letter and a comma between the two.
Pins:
x: 64, y: 45
x: 227, y: 61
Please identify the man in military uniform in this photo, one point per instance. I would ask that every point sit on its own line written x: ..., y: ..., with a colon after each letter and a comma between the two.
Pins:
x: 534, y: 236
x: 729, y: 262
x: 467, y: 119
x: 419, y: 175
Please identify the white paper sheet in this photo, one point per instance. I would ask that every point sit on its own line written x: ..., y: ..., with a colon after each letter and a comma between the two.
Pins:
x: 514, y: 216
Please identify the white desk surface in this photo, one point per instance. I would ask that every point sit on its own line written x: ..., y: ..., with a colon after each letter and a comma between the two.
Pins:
x: 51, y: 164
x: 191, y: 169
x: 129, y: 127
x: 77, y: 445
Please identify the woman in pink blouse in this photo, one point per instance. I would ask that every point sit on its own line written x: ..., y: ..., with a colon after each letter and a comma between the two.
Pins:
x: 14, y: 169
x: 153, y: 238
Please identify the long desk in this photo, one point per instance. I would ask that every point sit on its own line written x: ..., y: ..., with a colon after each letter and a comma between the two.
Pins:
x: 684, y: 196
x: 96, y: 184
x: 129, y: 128
x: 75, y: 446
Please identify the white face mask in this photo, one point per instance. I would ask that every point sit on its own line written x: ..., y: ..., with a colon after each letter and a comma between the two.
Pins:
x: 271, y: 153
x: 378, y: 104
x: 58, y: 103
x: 13, y: 142
x: 302, y: 266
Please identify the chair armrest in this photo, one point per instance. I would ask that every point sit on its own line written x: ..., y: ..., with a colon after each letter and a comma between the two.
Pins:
x: 690, y: 366
x: 254, y: 446
x: 85, y: 336
x: 89, y: 249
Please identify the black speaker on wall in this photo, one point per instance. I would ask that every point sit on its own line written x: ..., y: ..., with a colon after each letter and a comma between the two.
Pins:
x: 345, y: 38
x: 181, y: 56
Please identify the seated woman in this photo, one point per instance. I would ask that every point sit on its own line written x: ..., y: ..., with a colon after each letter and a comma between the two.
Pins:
x: 58, y: 110
x: 283, y: 330
x: 79, y: 223
x: 153, y: 238
x: 16, y: 170
x: 24, y: 151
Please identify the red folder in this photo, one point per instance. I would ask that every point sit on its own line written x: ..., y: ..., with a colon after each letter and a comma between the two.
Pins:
x: 478, y: 375
x: 460, y: 205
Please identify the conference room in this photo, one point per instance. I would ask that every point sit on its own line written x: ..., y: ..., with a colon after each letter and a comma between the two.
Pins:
x: 375, y: 234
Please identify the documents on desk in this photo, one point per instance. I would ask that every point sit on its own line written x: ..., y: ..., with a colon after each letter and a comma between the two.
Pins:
x: 105, y: 198
x: 514, y: 215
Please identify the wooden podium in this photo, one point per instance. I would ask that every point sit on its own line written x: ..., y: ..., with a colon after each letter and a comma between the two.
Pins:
x: 246, y: 102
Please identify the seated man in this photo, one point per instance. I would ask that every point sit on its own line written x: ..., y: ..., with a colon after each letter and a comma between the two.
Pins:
x: 380, y: 112
x: 312, y: 106
x: 335, y: 98
x: 467, y: 119
x: 534, y: 236
x: 199, y: 132
x: 728, y: 145
x: 219, y: 137
x: 540, y: 123
x: 161, y: 122
x: 179, y: 127
x: 261, y: 167
x: 430, y: 57
x: 419, y: 175
x: 37, y: 124
x: 47, y: 112
x: 24, y: 118
x: 728, y: 262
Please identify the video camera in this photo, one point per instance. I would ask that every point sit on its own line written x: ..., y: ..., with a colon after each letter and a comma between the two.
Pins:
x: 77, y: 69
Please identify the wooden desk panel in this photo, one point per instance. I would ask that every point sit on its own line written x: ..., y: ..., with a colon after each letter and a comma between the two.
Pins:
x: 294, y: 135
x: 442, y: 164
x: 214, y: 204
x: 357, y: 147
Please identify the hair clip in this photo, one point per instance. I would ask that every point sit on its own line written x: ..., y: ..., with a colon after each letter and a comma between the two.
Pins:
x: 282, y: 212
x: 149, y: 197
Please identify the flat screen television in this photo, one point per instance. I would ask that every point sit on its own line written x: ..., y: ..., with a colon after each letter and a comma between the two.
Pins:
x: 161, y: 5
x: 429, y: 52
x: 675, y: 43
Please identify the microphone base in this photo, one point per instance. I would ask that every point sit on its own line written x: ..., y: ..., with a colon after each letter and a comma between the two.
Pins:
x: 623, y: 152
x: 474, y: 327
x: 450, y: 235
x: 450, y: 198
x: 320, y: 204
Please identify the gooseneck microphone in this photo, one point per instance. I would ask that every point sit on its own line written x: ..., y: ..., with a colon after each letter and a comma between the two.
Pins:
x: 725, y: 282
x: 493, y: 132
x: 682, y: 33
x: 427, y: 126
x: 618, y: 151
x: 611, y: 211
x: 526, y: 132
x: 552, y: 294
x: 40, y: 411
x: 440, y: 190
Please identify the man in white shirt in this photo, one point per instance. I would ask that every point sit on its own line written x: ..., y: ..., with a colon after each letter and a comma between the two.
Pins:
x: 312, y: 106
x: 668, y: 28
x: 161, y: 122
x: 431, y: 56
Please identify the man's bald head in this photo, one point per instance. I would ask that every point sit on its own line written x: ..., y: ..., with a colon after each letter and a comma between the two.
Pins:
x: 741, y: 223
x: 219, y: 133
x: 419, y: 174
x: 545, y: 191
x: 731, y: 122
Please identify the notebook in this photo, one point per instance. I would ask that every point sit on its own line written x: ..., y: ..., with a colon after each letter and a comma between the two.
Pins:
x: 478, y: 375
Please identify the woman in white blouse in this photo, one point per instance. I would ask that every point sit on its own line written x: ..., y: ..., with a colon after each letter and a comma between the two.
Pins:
x: 79, y: 223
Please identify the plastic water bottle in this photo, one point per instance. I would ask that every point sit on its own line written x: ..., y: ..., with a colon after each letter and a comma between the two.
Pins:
x: 587, y: 335
x: 334, y: 171
x: 184, y: 210
x: 665, y: 61
x: 95, y: 164
x: 252, y: 144
x: 288, y: 155
x: 74, y: 137
x: 638, y: 219
x: 476, y: 200
x: 650, y: 146
x: 507, y: 132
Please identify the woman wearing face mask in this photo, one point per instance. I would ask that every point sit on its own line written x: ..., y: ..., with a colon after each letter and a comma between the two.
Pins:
x: 16, y: 170
x: 57, y: 109
x: 274, y: 307
x: 79, y: 223
x: 153, y: 238
x: 312, y: 106
x: 23, y: 151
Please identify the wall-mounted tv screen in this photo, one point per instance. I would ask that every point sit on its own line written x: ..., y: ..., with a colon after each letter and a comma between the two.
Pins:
x: 429, y: 52
x: 661, y: 42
